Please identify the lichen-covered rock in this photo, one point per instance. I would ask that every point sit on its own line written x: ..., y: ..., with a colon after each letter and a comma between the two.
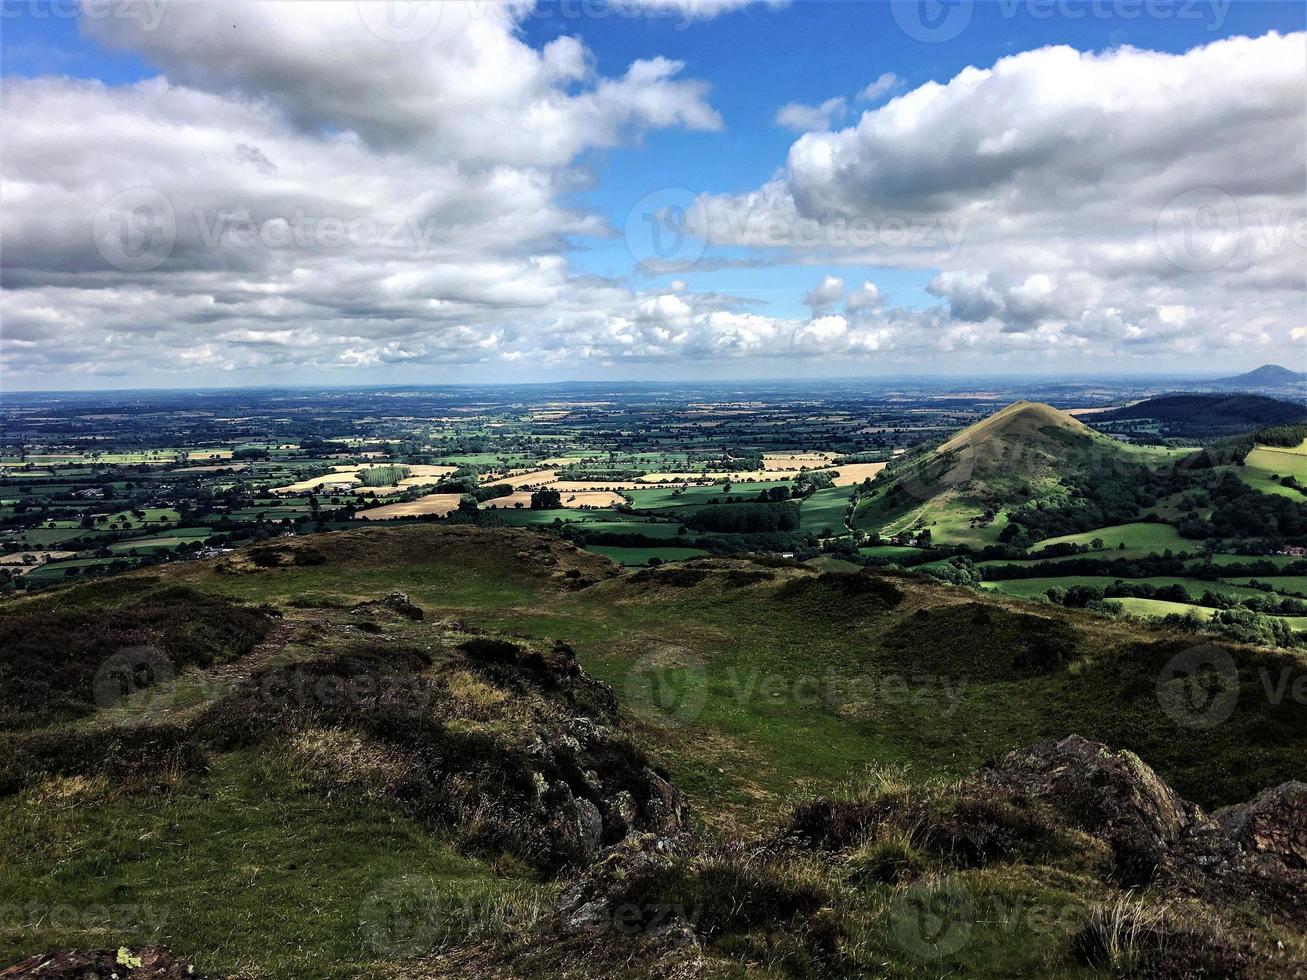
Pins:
x: 146, y: 963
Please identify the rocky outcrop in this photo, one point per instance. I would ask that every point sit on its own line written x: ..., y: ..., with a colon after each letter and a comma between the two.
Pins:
x: 1254, y: 852
x: 152, y: 962
x: 1114, y: 796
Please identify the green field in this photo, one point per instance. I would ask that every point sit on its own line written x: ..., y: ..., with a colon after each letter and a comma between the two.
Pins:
x: 1160, y: 607
x: 889, y: 551
x: 824, y: 510
x: 1266, y: 464
x: 1028, y: 587
x: 1140, y: 539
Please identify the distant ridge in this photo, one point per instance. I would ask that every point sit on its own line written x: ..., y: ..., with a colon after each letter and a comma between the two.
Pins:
x: 1266, y: 376
x: 1201, y: 416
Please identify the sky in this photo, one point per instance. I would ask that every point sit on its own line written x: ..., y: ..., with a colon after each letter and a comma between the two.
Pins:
x: 224, y: 193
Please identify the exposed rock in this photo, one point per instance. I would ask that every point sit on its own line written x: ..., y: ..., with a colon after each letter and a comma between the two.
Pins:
x: 1255, y: 851
x: 1114, y: 796
x: 395, y: 602
x: 608, y: 892
x: 1273, y: 827
x: 153, y: 962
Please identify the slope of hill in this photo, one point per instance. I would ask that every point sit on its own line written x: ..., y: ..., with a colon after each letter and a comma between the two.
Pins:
x: 1197, y: 416
x: 1266, y: 376
x: 350, y: 782
x: 1027, y: 451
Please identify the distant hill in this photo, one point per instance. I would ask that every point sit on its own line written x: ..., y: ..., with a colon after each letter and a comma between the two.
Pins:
x: 1266, y: 376
x: 1023, y: 452
x: 1190, y: 416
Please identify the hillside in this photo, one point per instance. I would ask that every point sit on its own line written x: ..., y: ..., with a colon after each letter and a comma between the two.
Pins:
x: 461, y: 752
x: 1197, y: 416
x: 1266, y: 376
x: 1027, y: 451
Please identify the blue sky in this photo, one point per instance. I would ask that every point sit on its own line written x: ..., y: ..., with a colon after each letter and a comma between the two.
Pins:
x: 749, y: 61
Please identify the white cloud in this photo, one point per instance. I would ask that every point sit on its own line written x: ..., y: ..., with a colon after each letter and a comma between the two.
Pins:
x: 881, y: 87
x: 805, y: 118
x: 825, y: 294
x: 1069, y: 196
x: 865, y: 297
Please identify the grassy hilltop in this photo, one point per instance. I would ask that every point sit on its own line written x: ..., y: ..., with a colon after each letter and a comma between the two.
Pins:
x: 363, y: 834
x: 1026, y: 452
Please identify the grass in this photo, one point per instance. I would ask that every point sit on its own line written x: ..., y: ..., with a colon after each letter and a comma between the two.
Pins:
x: 1028, y: 587
x: 825, y: 510
x: 1160, y: 607
x: 246, y: 869
x: 1143, y: 537
x: 888, y: 551
x: 1266, y: 464
x: 784, y: 685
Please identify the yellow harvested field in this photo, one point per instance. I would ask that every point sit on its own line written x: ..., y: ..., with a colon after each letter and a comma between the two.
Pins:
x: 379, y: 491
x: 522, y: 497
x: 580, y: 498
x: 440, y: 504
x: 336, y: 480
x: 795, y: 461
x: 851, y: 474
x: 529, y: 478
x: 231, y: 467
x: 348, y: 476
x: 429, y: 469
x: 593, y: 498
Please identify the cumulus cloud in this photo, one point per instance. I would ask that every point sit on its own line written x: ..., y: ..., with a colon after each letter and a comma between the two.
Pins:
x: 1076, y: 192
x: 300, y: 189
x: 804, y: 118
x: 825, y: 294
